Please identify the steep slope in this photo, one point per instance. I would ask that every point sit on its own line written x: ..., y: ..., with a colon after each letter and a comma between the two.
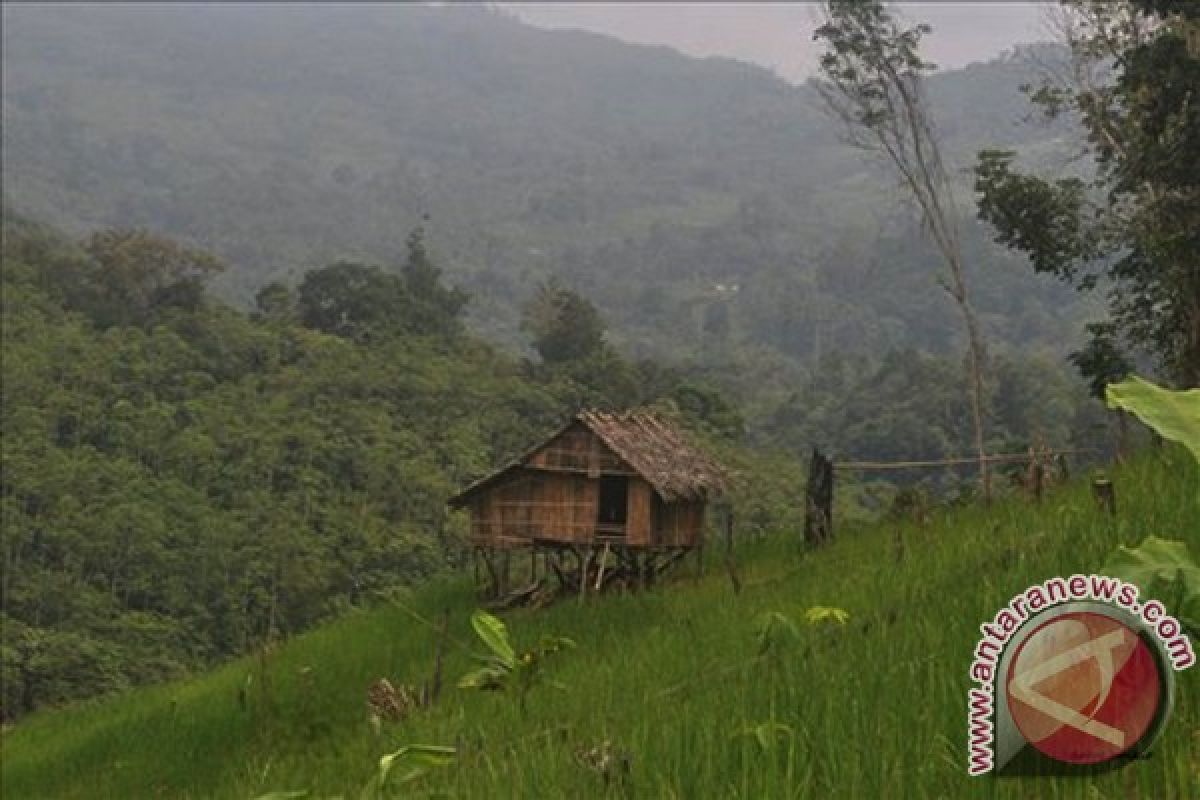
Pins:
x: 668, y: 683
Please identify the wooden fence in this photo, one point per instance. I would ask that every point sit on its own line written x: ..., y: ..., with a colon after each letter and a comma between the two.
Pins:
x: 818, y: 517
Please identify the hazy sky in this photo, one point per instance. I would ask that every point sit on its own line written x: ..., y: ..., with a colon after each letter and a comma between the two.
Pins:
x: 779, y: 35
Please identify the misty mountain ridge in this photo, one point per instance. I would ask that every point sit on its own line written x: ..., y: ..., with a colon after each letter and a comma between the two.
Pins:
x: 285, y: 139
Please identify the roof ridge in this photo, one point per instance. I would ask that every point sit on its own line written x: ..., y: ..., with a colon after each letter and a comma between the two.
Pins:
x: 652, y: 444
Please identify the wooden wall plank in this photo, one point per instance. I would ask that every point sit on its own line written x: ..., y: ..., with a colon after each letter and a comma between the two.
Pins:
x: 637, y: 513
x: 590, y: 501
x: 562, y: 507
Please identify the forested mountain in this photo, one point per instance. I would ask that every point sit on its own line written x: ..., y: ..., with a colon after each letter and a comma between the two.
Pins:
x: 706, y: 206
x: 292, y: 251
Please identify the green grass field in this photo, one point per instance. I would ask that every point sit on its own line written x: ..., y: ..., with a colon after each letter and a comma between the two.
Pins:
x: 872, y: 708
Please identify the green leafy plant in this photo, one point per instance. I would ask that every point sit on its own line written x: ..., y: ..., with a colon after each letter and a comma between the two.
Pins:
x: 766, y: 734
x: 1162, y: 569
x: 775, y: 630
x: 416, y: 760
x: 1173, y: 415
x: 821, y: 615
x: 503, y: 668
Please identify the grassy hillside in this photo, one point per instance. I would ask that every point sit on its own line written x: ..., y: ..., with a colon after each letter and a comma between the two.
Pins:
x: 874, y: 708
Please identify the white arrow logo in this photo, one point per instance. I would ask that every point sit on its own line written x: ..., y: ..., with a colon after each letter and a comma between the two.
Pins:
x: 1101, y: 650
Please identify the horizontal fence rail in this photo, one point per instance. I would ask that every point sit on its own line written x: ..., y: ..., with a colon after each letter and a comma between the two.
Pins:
x: 958, y: 461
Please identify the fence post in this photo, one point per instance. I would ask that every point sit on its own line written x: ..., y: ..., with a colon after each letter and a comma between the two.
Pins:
x: 818, y: 500
x: 1037, y: 470
x: 1105, y: 494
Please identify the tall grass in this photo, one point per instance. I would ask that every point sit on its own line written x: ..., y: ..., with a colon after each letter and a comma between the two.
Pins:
x: 668, y: 678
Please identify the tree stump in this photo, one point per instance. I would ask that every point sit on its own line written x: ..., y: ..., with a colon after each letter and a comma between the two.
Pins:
x: 818, y: 501
x: 1105, y: 494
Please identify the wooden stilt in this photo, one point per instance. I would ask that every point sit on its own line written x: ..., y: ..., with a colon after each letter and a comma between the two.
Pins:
x: 603, y: 565
x: 583, y: 575
x: 730, y: 565
x: 488, y: 554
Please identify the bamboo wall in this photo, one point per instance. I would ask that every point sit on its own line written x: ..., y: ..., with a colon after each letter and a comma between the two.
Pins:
x: 555, y: 499
x: 678, y: 524
x: 578, y: 450
x: 535, y: 505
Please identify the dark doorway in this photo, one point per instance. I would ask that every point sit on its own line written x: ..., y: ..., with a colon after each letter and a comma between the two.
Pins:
x: 614, y: 497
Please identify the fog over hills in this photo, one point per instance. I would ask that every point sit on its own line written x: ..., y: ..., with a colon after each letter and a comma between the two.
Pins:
x: 706, y: 206
x: 778, y: 35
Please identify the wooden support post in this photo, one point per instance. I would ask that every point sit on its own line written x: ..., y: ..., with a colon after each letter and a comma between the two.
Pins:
x: 672, y: 557
x: 818, y: 501
x: 1105, y: 494
x: 488, y: 554
x: 583, y: 574
x: 555, y: 564
x: 603, y: 564
x: 730, y: 565
x: 1036, y: 473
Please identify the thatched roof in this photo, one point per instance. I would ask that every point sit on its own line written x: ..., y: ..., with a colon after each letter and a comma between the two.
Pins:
x: 659, y: 452
x: 653, y: 447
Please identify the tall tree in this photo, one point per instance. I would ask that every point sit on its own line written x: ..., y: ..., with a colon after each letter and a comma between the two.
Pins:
x: 1134, y: 226
x: 135, y: 272
x: 275, y: 301
x: 436, y: 308
x: 872, y: 77
x: 565, y: 325
x: 355, y: 301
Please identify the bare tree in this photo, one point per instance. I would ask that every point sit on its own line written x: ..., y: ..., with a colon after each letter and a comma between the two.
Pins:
x: 872, y: 82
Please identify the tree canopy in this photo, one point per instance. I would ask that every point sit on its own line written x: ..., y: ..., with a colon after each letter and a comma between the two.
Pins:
x: 1133, y: 229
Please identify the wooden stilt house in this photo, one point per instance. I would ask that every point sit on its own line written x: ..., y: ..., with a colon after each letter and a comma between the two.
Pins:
x: 629, y: 480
